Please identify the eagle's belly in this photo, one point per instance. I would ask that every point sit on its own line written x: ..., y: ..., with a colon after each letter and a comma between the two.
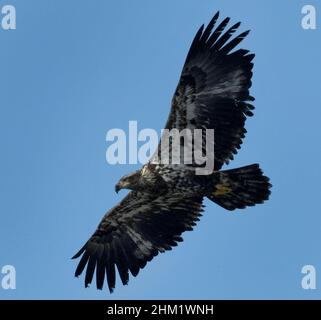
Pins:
x: 181, y: 178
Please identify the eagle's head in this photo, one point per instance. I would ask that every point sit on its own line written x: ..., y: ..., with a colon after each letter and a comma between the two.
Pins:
x: 129, y: 181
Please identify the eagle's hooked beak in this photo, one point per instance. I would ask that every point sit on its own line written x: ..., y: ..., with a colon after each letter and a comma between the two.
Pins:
x: 117, y: 187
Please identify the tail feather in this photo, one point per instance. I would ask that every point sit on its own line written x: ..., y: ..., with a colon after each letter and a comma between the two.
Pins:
x: 240, y: 188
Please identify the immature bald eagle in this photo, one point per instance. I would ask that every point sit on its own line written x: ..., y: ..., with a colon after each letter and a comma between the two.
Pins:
x: 166, y: 199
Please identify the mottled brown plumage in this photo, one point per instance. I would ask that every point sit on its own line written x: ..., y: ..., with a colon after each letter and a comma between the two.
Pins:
x: 166, y: 199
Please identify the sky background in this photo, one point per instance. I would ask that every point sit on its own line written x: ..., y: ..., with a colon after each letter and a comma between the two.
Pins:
x: 72, y: 70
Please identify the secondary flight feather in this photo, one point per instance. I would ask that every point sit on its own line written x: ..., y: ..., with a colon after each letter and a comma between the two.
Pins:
x: 165, y: 198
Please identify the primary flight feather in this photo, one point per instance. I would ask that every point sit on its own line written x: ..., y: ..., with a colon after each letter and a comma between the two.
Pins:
x: 166, y: 198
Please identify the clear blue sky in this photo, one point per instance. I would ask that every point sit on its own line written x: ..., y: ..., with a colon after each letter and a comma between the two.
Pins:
x: 74, y: 69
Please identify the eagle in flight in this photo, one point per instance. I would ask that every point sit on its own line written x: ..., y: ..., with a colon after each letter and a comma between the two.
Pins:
x: 166, y: 199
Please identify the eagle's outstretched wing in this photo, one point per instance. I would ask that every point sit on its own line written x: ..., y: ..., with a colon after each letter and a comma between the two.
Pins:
x: 133, y: 232
x: 213, y: 90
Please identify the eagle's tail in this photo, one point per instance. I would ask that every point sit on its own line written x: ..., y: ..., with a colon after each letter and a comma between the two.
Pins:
x: 239, y: 188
